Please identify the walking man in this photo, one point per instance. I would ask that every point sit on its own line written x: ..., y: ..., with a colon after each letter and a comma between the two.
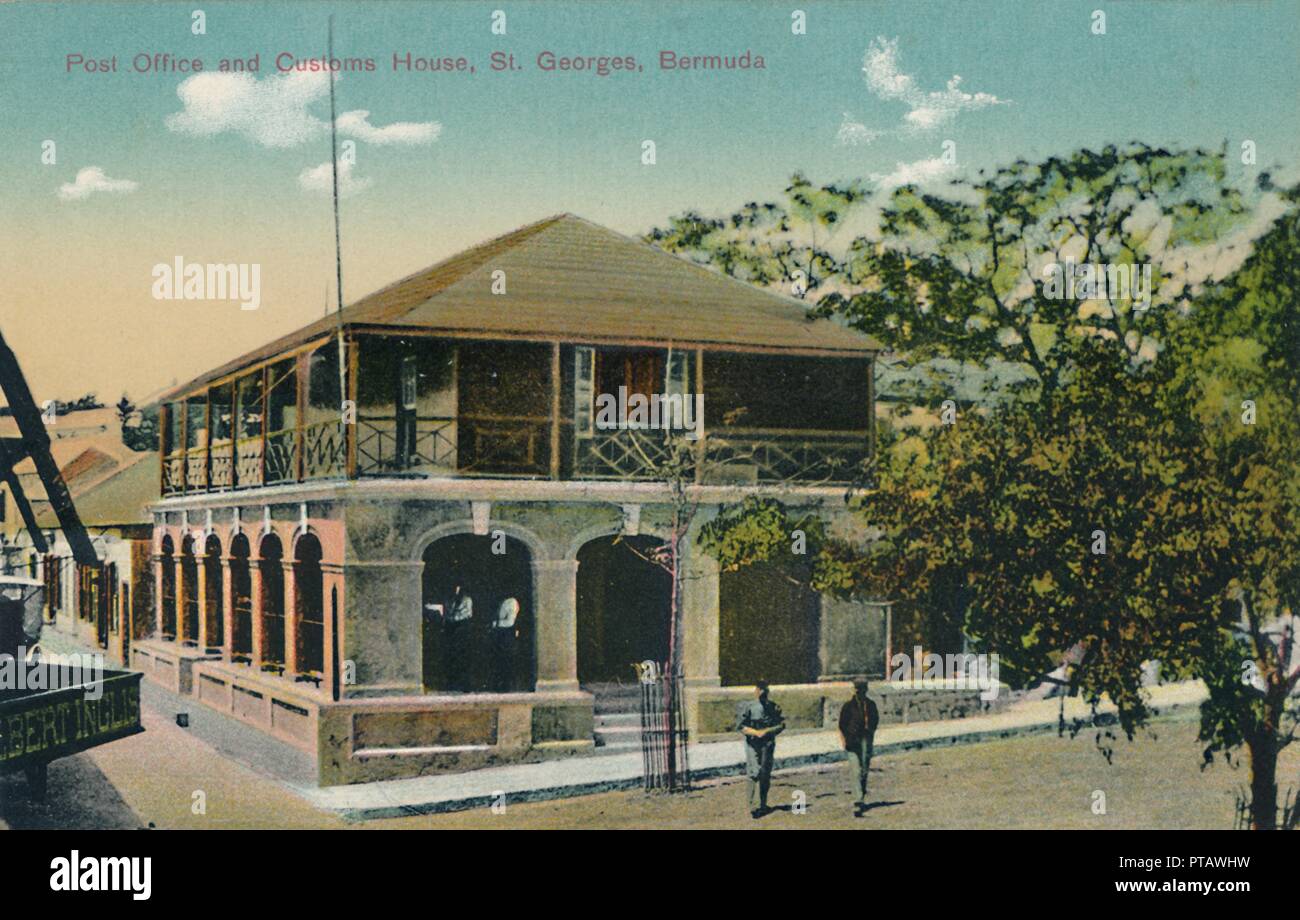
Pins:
x: 858, y: 720
x: 760, y: 721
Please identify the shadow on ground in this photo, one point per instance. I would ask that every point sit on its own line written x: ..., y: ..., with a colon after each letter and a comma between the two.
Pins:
x: 79, y: 797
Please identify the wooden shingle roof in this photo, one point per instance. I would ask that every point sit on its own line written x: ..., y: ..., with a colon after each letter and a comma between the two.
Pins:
x: 570, y: 280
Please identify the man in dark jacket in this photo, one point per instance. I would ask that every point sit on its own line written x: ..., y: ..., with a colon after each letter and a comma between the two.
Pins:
x: 858, y: 720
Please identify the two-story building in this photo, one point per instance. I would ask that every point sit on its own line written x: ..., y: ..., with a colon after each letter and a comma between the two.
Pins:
x: 330, y: 499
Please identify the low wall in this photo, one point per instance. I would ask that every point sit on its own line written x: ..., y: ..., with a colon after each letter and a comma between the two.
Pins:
x: 368, y: 739
x: 711, y: 711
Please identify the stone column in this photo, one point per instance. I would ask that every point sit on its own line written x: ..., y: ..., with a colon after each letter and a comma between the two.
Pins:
x: 201, y: 595
x: 700, y: 620
x: 157, y: 596
x: 255, y: 589
x: 381, y: 620
x: 227, y: 611
x: 290, y: 618
x: 179, y: 599
x: 555, y: 596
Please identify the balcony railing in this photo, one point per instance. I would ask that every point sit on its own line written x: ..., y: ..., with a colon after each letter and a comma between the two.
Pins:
x: 482, y: 445
x: 777, y: 455
x: 222, y: 466
x: 281, y: 463
x: 729, y: 455
x: 468, y: 445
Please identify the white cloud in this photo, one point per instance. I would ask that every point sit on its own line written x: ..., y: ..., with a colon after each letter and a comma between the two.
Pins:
x: 320, y: 179
x: 274, y: 112
x: 854, y: 132
x: 271, y: 112
x: 90, y: 180
x: 917, y: 172
x: 926, y: 110
x: 357, y: 124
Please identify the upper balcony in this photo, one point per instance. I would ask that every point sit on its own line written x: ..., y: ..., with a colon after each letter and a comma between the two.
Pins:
x: 520, y: 385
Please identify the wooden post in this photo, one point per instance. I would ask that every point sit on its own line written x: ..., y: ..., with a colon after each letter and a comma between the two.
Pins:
x: 207, y: 446
x: 871, y: 408
x: 185, y: 445
x: 350, y: 434
x: 302, y: 379
x: 701, y: 446
x: 555, y: 410
x: 266, y: 405
x: 164, y: 425
x: 234, y: 434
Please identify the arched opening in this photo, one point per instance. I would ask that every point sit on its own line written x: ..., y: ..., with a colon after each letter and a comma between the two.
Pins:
x: 214, y: 614
x: 768, y: 624
x: 189, y: 593
x: 241, y: 602
x: 167, y: 603
x: 271, y: 568
x: 624, y: 605
x: 309, y: 607
x: 473, y: 653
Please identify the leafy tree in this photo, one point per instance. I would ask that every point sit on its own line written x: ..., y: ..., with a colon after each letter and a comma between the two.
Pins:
x: 1136, y: 436
x: 785, y: 245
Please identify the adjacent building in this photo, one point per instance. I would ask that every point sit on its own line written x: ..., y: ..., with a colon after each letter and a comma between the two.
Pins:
x: 329, y: 500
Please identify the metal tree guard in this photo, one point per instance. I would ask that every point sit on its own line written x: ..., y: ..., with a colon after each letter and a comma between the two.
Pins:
x: 665, y: 765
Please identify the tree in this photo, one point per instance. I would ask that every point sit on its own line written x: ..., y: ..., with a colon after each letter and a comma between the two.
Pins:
x: 1121, y: 506
x: 769, y: 245
x: 125, y: 409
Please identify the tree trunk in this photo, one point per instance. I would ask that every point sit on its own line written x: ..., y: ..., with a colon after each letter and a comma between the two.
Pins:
x: 1263, y: 780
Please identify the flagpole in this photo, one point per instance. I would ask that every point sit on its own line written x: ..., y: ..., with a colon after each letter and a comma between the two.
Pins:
x: 338, y: 246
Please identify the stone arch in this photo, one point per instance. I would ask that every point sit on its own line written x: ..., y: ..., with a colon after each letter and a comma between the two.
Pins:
x: 537, y: 548
x: 270, y: 556
x: 597, y: 531
x: 309, y: 605
x: 241, y: 599
x: 474, y: 654
x: 213, y: 594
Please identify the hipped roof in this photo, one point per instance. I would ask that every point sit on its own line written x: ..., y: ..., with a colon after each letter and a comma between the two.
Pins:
x: 568, y: 279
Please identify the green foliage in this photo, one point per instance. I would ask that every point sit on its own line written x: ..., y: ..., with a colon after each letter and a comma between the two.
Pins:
x: 769, y: 244
x: 1140, y: 430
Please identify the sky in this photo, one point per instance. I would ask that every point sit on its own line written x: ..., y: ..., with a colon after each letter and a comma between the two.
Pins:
x: 105, y: 175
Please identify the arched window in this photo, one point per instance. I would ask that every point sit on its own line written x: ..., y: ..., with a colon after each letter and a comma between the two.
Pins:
x: 167, y: 610
x: 272, y: 571
x: 241, y: 600
x: 189, y: 593
x: 309, y: 606
x: 214, y: 614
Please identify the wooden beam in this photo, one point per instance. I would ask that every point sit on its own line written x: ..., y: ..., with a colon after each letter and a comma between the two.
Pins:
x: 20, y: 502
x: 350, y: 435
x: 555, y: 410
x: 37, y: 443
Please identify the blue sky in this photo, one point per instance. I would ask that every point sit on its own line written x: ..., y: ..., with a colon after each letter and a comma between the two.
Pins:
x: 511, y: 148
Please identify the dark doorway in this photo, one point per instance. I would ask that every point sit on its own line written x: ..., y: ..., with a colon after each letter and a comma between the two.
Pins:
x: 624, y: 603
x: 213, y: 595
x: 189, y: 593
x: 167, y: 603
x: 241, y: 599
x: 475, y: 655
x: 309, y: 607
x: 271, y: 569
x: 768, y: 625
